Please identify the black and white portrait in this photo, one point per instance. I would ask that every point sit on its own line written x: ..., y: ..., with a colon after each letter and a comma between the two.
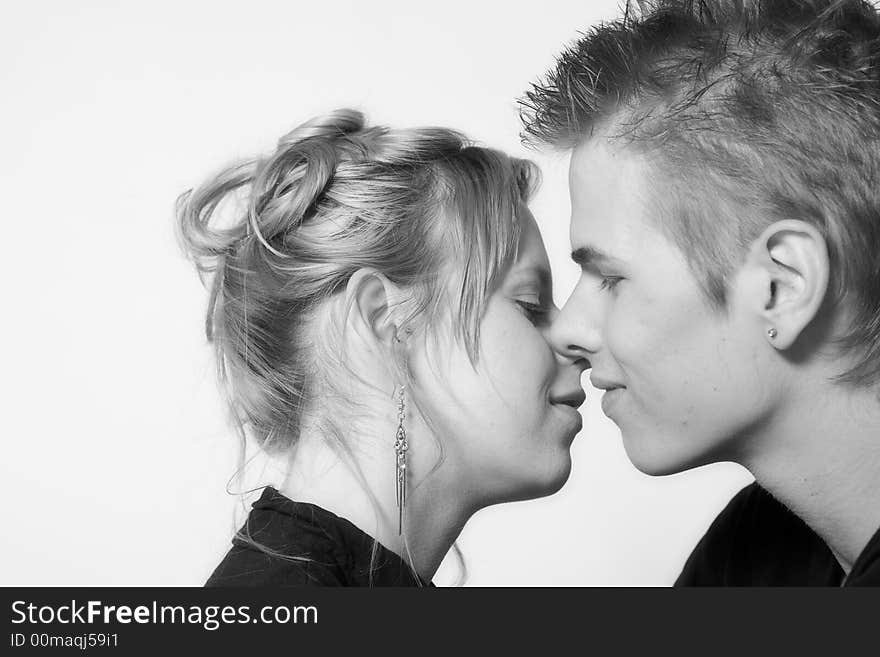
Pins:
x: 482, y: 294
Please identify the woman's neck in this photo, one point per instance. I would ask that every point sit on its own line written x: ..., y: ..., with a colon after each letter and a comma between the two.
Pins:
x: 353, y: 476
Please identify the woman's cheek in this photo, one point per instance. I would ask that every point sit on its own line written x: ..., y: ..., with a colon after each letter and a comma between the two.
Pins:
x: 538, y: 362
x: 514, y: 370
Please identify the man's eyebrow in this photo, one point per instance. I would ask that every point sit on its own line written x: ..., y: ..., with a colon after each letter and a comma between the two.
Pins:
x: 589, y: 255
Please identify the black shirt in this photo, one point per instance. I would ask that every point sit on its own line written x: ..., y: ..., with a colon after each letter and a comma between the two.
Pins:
x: 757, y: 541
x: 331, y: 550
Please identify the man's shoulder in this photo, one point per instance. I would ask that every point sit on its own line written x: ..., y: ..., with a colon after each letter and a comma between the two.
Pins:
x: 717, y: 550
x: 757, y: 541
x: 866, y: 570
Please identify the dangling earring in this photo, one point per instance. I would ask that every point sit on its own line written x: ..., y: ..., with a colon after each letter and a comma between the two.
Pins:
x: 400, y: 447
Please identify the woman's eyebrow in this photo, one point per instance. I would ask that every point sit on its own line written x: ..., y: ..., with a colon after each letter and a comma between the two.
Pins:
x: 540, y: 272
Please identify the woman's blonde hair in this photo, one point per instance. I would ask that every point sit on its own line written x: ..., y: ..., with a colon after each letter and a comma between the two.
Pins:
x: 336, y: 196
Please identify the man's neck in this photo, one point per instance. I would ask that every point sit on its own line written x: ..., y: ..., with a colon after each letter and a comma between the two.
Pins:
x: 822, y: 460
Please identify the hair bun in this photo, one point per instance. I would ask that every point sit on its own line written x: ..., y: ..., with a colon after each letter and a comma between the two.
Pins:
x: 283, y: 189
x: 289, y: 184
x: 196, y: 213
x: 337, y: 123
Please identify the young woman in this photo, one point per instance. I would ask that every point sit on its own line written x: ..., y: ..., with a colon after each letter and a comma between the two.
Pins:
x: 378, y: 305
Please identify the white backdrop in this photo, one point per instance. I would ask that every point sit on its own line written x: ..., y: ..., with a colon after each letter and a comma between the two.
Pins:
x: 115, y: 448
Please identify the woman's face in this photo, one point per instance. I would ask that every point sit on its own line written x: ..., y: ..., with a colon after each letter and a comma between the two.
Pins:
x: 507, y: 423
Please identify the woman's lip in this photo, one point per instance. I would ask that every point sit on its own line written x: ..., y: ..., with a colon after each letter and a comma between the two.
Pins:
x: 610, y: 399
x: 575, y: 418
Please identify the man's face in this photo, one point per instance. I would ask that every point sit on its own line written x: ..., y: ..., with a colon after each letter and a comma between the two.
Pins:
x: 687, y: 383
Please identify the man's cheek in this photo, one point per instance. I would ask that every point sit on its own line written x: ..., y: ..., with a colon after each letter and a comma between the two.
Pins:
x: 629, y: 342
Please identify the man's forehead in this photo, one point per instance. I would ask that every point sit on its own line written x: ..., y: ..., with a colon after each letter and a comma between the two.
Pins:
x: 601, y: 181
x: 611, y: 199
x: 603, y: 160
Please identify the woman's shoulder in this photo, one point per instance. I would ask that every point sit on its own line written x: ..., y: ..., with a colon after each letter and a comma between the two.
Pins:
x: 289, y: 543
x: 282, y: 543
x: 246, y: 565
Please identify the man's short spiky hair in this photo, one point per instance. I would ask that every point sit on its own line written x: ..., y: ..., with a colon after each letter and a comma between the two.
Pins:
x: 771, y: 105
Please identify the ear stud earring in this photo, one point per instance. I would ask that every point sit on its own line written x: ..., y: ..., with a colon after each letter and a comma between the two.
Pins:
x: 406, y: 333
x: 771, y: 333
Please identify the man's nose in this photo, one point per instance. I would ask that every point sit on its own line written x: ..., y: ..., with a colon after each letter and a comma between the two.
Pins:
x: 574, y: 331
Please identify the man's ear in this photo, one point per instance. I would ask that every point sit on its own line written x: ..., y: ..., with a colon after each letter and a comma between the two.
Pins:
x: 790, y: 259
x: 371, y: 300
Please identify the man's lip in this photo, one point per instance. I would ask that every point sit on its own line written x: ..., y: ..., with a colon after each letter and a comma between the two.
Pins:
x: 609, y: 399
x: 604, y: 384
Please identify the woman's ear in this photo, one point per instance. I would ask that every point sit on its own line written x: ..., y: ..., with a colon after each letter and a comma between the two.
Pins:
x: 791, y: 260
x: 372, y: 299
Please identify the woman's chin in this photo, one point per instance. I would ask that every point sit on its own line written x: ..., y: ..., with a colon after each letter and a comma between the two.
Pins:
x: 561, y: 477
x: 550, y: 482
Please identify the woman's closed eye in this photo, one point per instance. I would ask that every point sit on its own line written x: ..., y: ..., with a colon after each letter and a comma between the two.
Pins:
x: 537, y: 312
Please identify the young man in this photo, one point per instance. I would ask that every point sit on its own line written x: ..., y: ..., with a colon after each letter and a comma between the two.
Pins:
x: 725, y: 188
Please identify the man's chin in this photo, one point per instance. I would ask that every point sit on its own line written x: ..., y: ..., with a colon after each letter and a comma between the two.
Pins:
x: 650, y: 458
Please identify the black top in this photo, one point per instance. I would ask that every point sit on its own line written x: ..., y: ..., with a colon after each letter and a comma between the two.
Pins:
x: 756, y: 541
x: 334, y: 552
